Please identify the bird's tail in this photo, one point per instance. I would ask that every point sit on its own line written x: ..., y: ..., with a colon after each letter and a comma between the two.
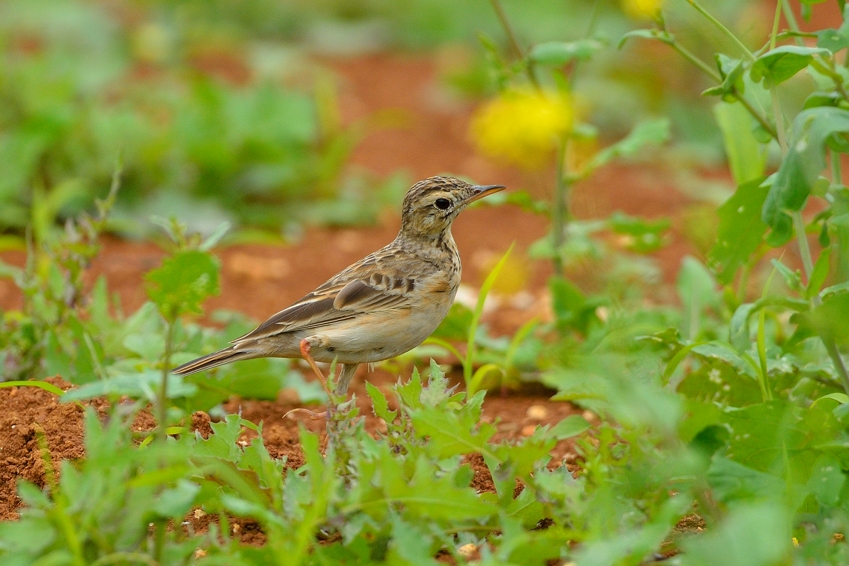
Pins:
x: 214, y: 360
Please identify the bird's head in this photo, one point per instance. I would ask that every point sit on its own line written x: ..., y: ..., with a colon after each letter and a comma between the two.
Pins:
x: 431, y: 205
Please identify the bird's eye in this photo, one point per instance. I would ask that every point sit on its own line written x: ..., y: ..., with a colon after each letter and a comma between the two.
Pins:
x: 442, y: 203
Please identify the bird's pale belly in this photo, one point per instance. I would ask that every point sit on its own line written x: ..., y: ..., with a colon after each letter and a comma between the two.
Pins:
x: 385, y: 336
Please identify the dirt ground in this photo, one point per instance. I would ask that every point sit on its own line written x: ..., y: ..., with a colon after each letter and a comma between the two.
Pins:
x: 259, y: 280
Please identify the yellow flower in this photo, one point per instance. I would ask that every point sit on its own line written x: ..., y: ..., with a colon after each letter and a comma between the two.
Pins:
x: 521, y: 126
x: 642, y: 9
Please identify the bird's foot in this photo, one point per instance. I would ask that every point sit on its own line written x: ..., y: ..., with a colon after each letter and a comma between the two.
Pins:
x: 305, y: 353
x: 311, y: 414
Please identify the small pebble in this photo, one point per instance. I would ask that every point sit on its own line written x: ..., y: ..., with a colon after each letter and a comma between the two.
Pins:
x: 590, y: 417
x: 537, y: 412
x: 198, y: 513
x: 528, y: 430
x: 468, y: 551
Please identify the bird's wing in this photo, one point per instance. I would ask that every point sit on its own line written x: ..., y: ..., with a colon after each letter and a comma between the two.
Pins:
x: 368, y: 286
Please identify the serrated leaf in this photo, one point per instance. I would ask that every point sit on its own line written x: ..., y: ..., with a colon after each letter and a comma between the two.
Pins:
x: 453, y: 432
x: 410, y: 545
x: 740, y: 230
x: 781, y: 63
x: 183, y: 282
x: 380, y: 404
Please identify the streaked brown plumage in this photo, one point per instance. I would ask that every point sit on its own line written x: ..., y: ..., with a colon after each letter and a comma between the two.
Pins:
x: 378, y: 308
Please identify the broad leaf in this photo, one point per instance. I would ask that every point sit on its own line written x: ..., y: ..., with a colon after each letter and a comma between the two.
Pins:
x: 740, y: 231
x: 781, y: 63
x: 800, y: 169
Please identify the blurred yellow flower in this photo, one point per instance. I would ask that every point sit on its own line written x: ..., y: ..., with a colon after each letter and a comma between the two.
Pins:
x: 642, y: 9
x: 521, y: 126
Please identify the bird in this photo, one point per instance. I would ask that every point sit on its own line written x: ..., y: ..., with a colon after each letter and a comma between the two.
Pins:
x: 377, y: 308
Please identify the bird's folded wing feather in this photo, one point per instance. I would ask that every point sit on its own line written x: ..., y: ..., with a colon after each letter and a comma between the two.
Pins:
x: 338, y: 300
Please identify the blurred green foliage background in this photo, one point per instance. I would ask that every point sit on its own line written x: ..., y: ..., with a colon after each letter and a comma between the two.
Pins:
x: 218, y: 110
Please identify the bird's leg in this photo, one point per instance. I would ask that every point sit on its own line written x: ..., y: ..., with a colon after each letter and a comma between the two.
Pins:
x: 345, y: 376
x: 305, y: 352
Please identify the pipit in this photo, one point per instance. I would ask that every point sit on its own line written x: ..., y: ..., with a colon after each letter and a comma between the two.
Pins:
x: 380, y: 307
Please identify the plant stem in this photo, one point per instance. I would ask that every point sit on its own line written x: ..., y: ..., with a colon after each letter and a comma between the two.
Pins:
x: 692, y: 58
x: 704, y: 67
x: 791, y: 18
x: 837, y: 360
x: 560, y: 210
x: 802, y: 238
x: 514, y: 40
x: 723, y: 29
x: 756, y: 115
x: 773, y: 37
x: 162, y: 402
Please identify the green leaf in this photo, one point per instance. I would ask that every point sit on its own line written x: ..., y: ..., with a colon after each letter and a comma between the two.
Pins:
x: 839, y: 289
x: 732, y: 85
x: 739, y: 325
x: 454, y: 432
x: 793, y: 279
x: 656, y: 34
x: 456, y: 325
x: 827, y: 480
x: 646, y: 235
x: 560, y: 53
x: 801, y: 167
x: 410, y: 545
x: 757, y: 534
x: 183, y: 282
x: 781, y: 63
x: 647, y: 132
x: 175, y: 502
x: 572, y: 425
x: 763, y: 433
x: 138, y: 386
x: 819, y: 274
x: 696, y: 289
x: 828, y: 320
x: 834, y: 39
x: 40, y: 384
x: 572, y: 309
x: 746, y: 155
x: 380, y: 404
x: 740, y: 230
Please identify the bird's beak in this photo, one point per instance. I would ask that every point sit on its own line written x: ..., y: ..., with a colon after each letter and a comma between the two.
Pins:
x: 480, y: 191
